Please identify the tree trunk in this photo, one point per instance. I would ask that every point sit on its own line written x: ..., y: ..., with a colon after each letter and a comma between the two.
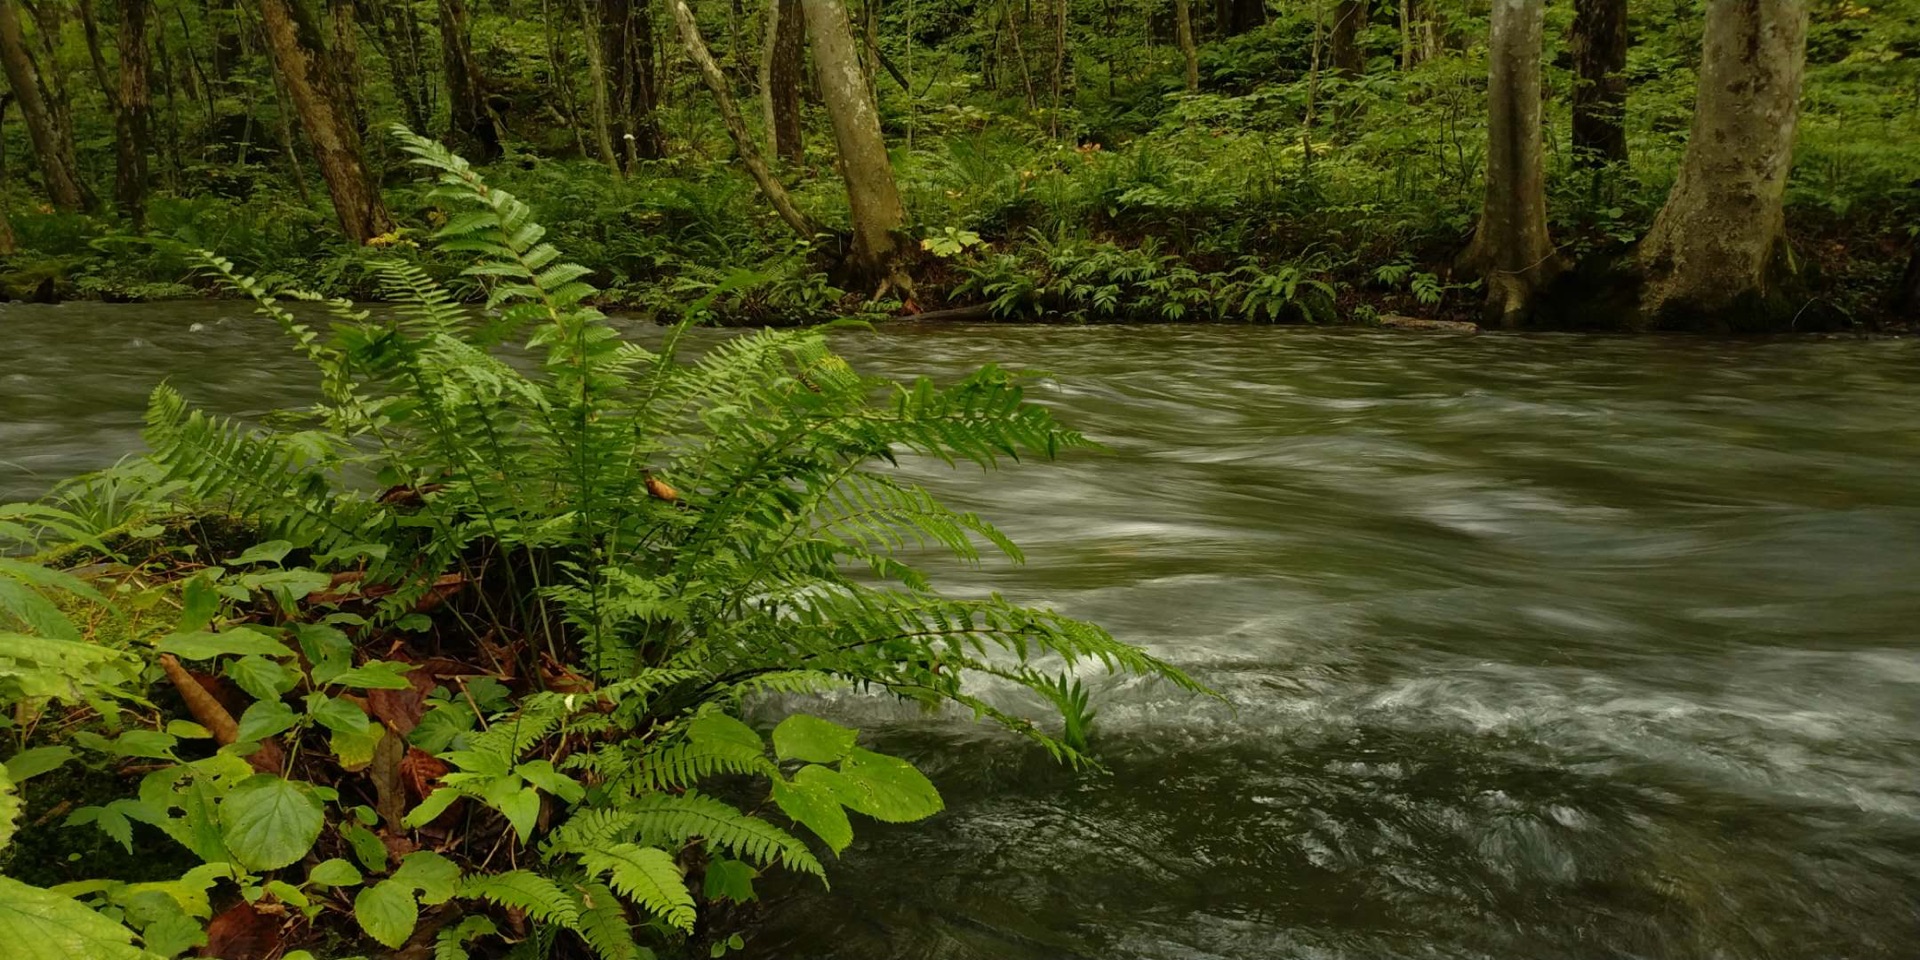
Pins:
x: 736, y: 126
x: 1349, y: 56
x: 597, y: 83
x: 1717, y: 242
x: 135, y: 99
x: 1511, y: 249
x: 1243, y: 15
x: 781, y: 63
x: 871, y: 191
x: 626, y: 40
x: 397, y: 31
x: 346, y: 60
x: 301, y: 59
x: 470, y: 123
x: 1599, y: 48
x: 1183, y: 28
x: 53, y: 150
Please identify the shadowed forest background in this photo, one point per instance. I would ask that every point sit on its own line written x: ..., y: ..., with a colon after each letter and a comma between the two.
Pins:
x: 1042, y: 159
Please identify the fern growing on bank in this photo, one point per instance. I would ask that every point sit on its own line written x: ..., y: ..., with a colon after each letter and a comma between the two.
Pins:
x: 637, y: 541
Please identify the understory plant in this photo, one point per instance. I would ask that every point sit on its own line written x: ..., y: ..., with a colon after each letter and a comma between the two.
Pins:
x: 455, y: 661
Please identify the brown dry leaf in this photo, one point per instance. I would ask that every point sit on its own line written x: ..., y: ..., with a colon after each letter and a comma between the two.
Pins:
x: 242, y: 932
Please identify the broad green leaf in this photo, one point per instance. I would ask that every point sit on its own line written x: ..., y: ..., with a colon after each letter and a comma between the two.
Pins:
x: 199, y: 602
x: 260, y: 677
x: 188, y: 730
x: 387, y: 912
x: 430, y: 808
x: 38, y: 924
x: 338, y: 714
x: 269, y: 823
x: 541, y: 774
x: 334, y: 873
x: 173, y: 935
x: 884, y: 788
x: 273, y: 551
x: 815, y: 805
x: 430, y: 874
x: 238, y: 641
x: 10, y: 809
x: 286, y: 893
x: 720, y: 729
x: 265, y: 718
x: 49, y: 578
x: 801, y: 737
x: 327, y: 648
x: 440, y: 726
x: 522, y: 809
x: 151, y: 744
x: 27, y: 764
x: 729, y: 880
x: 375, y: 675
x: 355, y: 751
x: 366, y: 847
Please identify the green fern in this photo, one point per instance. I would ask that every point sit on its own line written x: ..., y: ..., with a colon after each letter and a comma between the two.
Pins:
x: 649, y: 877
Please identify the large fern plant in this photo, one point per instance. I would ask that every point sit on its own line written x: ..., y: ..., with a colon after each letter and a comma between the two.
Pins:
x: 649, y: 536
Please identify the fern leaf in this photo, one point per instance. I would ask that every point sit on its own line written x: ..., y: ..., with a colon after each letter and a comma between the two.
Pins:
x: 649, y: 877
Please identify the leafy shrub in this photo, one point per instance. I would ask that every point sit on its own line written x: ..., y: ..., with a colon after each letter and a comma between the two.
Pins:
x: 504, y: 686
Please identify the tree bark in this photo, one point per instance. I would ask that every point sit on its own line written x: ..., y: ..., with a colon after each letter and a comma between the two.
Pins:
x: 1511, y: 248
x: 780, y: 79
x: 1241, y: 16
x: 1349, y: 56
x: 301, y: 59
x: 341, y: 19
x: 134, y: 101
x: 871, y: 191
x: 1599, y: 48
x: 601, y: 89
x: 736, y: 126
x: 1717, y: 243
x: 470, y: 122
x: 1183, y: 28
x: 52, y: 148
x: 626, y: 40
x: 397, y: 31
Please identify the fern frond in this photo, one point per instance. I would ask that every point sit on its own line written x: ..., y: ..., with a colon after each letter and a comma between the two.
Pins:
x: 649, y: 877
x: 605, y: 925
x: 541, y: 898
x: 680, y: 818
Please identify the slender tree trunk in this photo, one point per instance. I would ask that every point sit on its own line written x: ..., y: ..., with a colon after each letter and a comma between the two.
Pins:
x: 871, y: 192
x: 1718, y: 240
x: 1059, y: 62
x: 1244, y: 15
x: 781, y: 63
x: 626, y: 40
x: 397, y: 31
x: 1511, y: 248
x: 597, y: 82
x: 1406, y: 34
x: 301, y: 59
x: 135, y: 101
x: 736, y: 126
x: 1599, y: 47
x: 1183, y: 27
x: 470, y: 123
x: 1344, y: 48
x: 51, y: 149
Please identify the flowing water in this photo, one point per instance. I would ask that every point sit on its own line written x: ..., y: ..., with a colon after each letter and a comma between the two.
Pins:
x: 1529, y: 647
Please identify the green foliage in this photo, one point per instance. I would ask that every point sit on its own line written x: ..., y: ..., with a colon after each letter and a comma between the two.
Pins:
x: 658, y: 538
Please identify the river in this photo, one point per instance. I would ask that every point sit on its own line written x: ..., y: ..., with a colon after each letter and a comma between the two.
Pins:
x: 1530, y: 647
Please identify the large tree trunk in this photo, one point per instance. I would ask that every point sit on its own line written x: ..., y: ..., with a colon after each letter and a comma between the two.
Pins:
x: 470, y: 123
x: 871, y: 192
x: 1349, y: 56
x: 1599, y: 47
x: 781, y: 74
x: 301, y: 58
x: 1511, y: 249
x: 736, y: 126
x: 1717, y: 243
x: 626, y: 41
x: 135, y: 99
x: 1189, y: 52
x: 52, y: 147
x: 341, y: 19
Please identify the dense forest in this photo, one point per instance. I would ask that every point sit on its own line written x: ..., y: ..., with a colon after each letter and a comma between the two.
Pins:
x: 1671, y: 164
